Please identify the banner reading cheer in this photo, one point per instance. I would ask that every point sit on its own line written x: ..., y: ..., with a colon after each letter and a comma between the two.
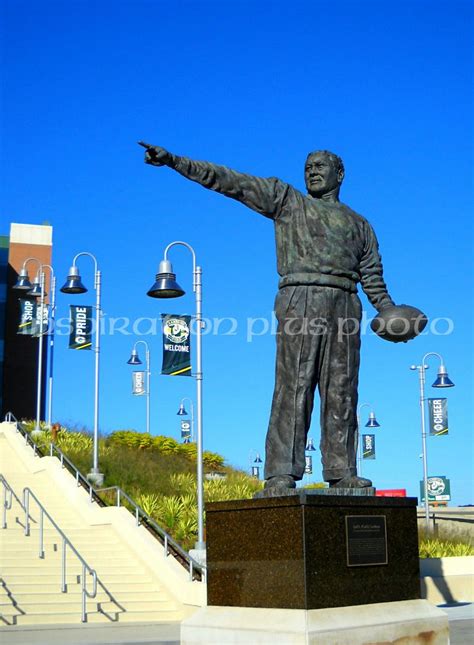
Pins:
x: 438, y: 416
x: 176, y: 345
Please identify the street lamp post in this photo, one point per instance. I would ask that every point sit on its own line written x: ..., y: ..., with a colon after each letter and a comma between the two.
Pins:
x: 442, y: 381
x: 182, y: 412
x: 309, y: 458
x: 73, y: 285
x: 165, y: 286
x: 371, y: 423
x: 255, y: 468
x: 135, y: 360
x: 37, y: 290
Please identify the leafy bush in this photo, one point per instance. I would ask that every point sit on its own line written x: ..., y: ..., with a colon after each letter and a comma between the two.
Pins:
x: 435, y: 548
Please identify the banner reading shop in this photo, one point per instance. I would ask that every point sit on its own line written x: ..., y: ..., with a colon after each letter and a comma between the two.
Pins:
x: 368, y: 446
x: 27, y: 322
x: 176, y: 345
x: 80, y: 335
x: 438, y: 416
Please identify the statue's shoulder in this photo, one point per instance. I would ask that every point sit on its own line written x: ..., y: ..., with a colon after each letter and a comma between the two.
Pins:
x: 357, y: 217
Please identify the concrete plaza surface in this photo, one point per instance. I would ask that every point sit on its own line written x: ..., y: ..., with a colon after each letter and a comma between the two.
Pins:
x: 461, y: 626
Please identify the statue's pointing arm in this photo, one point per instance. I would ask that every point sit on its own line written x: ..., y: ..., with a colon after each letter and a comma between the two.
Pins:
x: 371, y: 272
x: 260, y: 194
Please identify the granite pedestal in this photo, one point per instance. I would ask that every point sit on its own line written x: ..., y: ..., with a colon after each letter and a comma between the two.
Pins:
x: 311, y: 551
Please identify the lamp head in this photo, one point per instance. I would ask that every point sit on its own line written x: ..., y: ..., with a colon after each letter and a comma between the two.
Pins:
x: 310, y: 445
x: 257, y: 459
x: 134, y: 358
x: 372, y: 422
x: 182, y: 411
x: 443, y: 379
x: 23, y: 281
x: 73, y: 283
x: 35, y: 291
x: 165, y: 285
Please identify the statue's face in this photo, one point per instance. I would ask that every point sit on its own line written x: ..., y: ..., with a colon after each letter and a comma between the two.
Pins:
x: 320, y: 175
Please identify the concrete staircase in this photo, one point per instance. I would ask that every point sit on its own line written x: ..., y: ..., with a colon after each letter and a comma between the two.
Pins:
x: 136, y: 581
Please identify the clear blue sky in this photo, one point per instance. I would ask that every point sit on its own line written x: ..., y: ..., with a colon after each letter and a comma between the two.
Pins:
x: 255, y: 86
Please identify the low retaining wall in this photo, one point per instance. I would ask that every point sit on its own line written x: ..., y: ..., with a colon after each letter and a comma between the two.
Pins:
x: 447, y: 580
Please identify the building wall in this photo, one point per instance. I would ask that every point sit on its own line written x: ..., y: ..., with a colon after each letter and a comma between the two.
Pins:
x: 20, y: 357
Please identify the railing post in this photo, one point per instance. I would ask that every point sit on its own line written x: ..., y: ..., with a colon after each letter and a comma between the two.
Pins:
x: 118, y: 497
x: 191, y: 570
x: 41, y: 537
x: 165, y: 546
x: 90, y: 493
x: 137, y: 518
x: 50, y: 449
x: 84, y: 616
x: 4, y: 511
x: 26, y: 505
x: 63, y: 567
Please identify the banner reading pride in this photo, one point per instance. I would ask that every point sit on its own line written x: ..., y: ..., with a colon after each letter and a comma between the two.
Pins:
x: 176, y: 345
x: 80, y: 335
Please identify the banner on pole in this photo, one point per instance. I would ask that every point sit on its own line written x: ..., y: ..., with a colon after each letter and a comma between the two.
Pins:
x: 256, y: 472
x: 37, y: 324
x: 438, y: 409
x: 185, y: 429
x: 138, y: 383
x: 368, y: 446
x: 308, y: 466
x: 176, y: 345
x: 80, y: 335
x: 439, y: 489
x: 27, y: 322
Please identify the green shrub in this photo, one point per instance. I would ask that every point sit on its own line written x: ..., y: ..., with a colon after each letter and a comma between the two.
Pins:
x: 435, y: 548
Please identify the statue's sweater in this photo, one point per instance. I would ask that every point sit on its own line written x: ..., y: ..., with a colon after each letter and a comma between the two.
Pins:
x: 317, y: 242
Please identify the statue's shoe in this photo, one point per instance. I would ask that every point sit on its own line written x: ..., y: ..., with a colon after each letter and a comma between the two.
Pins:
x: 280, y: 481
x: 351, y: 482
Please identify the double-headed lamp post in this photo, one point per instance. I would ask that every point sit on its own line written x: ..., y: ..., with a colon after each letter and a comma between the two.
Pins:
x: 254, y: 465
x: 37, y: 290
x: 135, y: 360
x: 165, y: 286
x: 73, y: 285
x: 442, y: 380
x: 182, y: 412
x: 371, y: 423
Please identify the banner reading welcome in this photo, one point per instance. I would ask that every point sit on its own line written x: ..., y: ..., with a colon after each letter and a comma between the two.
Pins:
x: 176, y: 345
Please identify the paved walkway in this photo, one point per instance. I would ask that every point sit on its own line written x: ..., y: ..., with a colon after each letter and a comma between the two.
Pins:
x: 461, y: 626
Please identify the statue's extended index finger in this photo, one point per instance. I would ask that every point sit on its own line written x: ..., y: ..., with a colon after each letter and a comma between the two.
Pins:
x: 145, y: 145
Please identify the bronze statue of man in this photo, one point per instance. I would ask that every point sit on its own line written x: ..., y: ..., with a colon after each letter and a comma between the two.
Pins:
x: 324, y: 249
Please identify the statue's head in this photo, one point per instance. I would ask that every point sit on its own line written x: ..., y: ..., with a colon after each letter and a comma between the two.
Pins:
x: 323, y: 173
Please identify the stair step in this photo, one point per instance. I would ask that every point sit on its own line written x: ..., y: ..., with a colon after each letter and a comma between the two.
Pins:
x: 107, y: 578
x: 17, y: 588
x: 96, y: 617
x: 71, y: 605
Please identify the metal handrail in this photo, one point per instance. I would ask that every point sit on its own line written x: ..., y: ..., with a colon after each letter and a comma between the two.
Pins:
x: 168, y: 541
x: 66, y: 542
x: 27, y: 493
